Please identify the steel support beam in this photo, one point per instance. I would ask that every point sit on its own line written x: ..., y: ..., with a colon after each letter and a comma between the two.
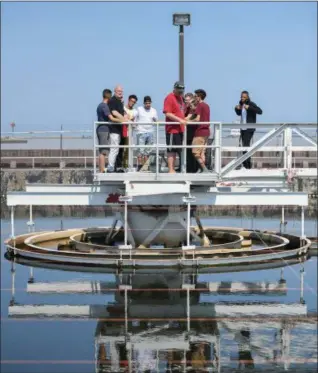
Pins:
x: 306, y: 137
x: 258, y: 144
x: 210, y: 197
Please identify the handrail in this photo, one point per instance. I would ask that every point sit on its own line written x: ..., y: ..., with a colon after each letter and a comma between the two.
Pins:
x: 225, y: 125
x: 285, y: 129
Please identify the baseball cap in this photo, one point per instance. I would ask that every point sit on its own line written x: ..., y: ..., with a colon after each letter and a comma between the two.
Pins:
x: 179, y: 85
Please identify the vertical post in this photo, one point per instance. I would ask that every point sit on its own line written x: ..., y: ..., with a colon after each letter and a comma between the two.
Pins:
x: 282, y: 223
x: 219, y: 353
x: 13, y: 281
x: 287, y: 141
x: 157, y: 149
x: 31, y: 214
x: 303, y: 222
x: 218, y: 142
x: 61, y: 142
x: 181, y: 53
x: 130, y: 149
x: 126, y: 223
x: 302, y: 273
x: 282, y: 275
x: 188, y: 223
x: 30, y: 223
x: 31, y: 277
x: 188, y: 309
x: 126, y: 312
x: 12, y: 222
x: 94, y: 149
x: 184, y: 152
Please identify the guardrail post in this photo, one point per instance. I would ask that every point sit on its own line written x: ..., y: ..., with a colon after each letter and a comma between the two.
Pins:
x: 218, y: 144
x: 184, y: 152
x: 30, y: 223
x: 125, y: 199
x: 157, y: 149
x: 12, y: 222
x: 303, y: 236
x: 130, y: 149
x: 287, y: 141
x: 94, y: 151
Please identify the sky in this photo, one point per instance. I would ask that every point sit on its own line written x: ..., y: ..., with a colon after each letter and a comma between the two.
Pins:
x: 56, y: 58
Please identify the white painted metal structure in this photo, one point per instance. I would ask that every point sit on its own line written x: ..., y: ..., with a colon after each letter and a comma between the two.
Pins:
x: 224, y: 186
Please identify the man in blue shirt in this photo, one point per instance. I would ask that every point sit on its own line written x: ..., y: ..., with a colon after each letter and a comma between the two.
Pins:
x: 103, y: 129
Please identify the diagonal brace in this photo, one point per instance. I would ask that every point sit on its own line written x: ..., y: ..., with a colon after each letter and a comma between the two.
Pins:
x: 305, y: 136
x: 257, y: 145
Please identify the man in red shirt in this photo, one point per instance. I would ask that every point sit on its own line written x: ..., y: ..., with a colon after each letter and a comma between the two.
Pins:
x: 202, y: 131
x: 174, y: 109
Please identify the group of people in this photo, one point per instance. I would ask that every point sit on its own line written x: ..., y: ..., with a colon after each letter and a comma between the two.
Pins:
x: 183, y: 112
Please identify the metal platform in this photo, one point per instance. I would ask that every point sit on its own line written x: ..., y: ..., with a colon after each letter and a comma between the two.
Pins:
x: 151, y: 194
x: 263, y: 175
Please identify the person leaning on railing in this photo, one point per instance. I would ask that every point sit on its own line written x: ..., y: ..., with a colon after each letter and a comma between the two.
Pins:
x: 248, y: 111
x: 174, y: 109
x: 202, y: 131
x: 192, y: 165
x: 130, y: 113
x: 145, y: 117
x: 116, y: 116
x: 102, y: 130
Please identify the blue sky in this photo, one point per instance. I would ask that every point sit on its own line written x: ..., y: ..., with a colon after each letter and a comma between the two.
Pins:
x: 56, y: 58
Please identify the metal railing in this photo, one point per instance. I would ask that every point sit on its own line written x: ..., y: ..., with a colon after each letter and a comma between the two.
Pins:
x: 86, y: 162
x: 277, y: 129
x: 288, y: 157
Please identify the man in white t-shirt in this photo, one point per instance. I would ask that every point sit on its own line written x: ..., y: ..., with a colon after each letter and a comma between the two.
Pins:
x: 145, y: 116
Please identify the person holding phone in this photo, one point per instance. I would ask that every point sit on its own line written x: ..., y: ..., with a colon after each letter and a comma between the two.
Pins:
x: 248, y: 111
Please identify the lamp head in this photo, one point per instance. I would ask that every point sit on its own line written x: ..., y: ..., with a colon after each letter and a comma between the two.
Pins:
x: 181, y: 19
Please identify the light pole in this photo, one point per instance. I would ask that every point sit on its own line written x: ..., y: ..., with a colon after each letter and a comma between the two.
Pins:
x: 181, y: 20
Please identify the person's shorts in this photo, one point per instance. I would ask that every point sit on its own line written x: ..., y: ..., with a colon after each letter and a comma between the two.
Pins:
x: 174, y: 139
x: 199, y: 140
x: 145, y: 139
x: 103, y: 138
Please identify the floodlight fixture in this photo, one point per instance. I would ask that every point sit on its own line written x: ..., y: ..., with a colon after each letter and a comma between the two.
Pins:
x: 181, y: 19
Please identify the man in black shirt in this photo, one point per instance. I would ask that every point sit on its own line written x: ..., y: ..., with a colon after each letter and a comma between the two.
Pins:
x: 103, y: 129
x: 248, y: 111
x: 116, y: 116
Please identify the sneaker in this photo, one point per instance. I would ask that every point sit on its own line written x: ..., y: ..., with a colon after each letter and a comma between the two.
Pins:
x: 110, y: 169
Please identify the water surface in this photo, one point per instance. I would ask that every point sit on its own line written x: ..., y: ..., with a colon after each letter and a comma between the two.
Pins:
x: 258, y: 320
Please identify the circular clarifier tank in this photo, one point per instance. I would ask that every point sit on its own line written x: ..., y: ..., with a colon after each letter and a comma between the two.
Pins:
x: 227, y: 245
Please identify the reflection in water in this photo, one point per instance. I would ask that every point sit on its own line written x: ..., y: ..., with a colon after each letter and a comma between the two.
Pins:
x: 161, y: 323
